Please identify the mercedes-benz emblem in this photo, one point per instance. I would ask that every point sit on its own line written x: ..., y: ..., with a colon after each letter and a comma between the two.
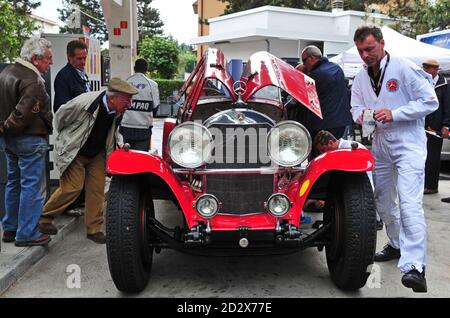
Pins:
x: 239, y: 87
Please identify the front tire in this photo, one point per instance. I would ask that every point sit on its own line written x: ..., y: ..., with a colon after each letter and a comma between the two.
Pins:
x: 127, y: 238
x: 351, y: 209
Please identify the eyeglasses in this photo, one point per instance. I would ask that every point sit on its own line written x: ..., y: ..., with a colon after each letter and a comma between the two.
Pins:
x: 429, y: 66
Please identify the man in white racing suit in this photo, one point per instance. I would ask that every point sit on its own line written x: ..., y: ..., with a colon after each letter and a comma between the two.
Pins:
x: 401, y: 96
x: 137, y: 122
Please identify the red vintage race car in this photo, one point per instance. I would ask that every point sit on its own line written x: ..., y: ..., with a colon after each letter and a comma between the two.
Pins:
x: 240, y: 172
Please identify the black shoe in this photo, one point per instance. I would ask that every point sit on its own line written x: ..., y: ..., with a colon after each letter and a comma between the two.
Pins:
x: 379, y: 225
x: 446, y: 200
x: 415, y: 280
x: 98, y: 237
x: 41, y: 240
x: 48, y: 228
x: 430, y: 191
x: 9, y: 236
x: 387, y: 253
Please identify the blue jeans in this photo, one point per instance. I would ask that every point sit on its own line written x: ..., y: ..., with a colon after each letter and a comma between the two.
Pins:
x: 25, y: 156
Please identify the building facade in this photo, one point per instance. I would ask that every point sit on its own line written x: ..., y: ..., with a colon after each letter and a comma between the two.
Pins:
x: 44, y: 25
x: 284, y: 32
x: 206, y: 9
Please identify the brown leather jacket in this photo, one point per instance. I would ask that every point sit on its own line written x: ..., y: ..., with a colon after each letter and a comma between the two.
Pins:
x: 24, y: 103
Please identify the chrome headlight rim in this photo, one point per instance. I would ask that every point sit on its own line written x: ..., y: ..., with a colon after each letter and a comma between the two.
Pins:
x: 285, y: 197
x: 308, y: 139
x: 206, y: 156
x: 203, y: 197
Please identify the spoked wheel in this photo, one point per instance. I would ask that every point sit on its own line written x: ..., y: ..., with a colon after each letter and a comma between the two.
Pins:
x: 128, y: 239
x: 351, y: 211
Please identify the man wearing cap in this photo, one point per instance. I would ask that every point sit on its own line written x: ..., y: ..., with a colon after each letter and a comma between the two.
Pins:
x: 85, y: 136
x: 436, y: 122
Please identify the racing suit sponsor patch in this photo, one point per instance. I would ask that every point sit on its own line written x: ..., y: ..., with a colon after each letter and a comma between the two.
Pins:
x: 142, y: 105
x: 392, y: 85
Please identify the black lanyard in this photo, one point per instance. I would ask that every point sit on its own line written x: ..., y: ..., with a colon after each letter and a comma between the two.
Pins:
x: 377, y: 86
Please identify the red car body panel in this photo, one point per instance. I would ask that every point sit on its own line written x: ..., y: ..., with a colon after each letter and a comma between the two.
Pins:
x: 191, y: 77
x: 212, y: 66
x: 123, y: 162
x: 264, y: 69
x: 135, y: 162
x: 169, y: 125
x: 358, y: 160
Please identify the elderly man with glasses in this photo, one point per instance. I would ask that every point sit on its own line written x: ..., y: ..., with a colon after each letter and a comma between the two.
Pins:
x: 332, y: 91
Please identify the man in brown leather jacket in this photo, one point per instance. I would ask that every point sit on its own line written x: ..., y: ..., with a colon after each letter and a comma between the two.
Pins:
x: 25, y: 122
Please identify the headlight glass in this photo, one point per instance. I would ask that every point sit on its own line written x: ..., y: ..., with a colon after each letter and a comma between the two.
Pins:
x: 279, y: 204
x: 289, y: 143
x: 190, y: 145
x: 207, y: 206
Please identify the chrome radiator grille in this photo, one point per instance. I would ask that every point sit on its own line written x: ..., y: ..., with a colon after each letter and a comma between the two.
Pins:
x: 240, y: 194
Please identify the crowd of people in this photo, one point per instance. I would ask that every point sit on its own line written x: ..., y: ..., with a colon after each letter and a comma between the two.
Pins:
x: 86, y: 126
x: 411, y: 107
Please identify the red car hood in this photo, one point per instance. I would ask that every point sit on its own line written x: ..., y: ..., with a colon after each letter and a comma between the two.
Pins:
x: 263, y: 69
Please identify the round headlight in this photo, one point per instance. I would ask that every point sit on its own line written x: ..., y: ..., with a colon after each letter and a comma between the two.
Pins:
x: 207, y: 206
x: 289, y: 143
x: 190, y: 145
x: 278, y: 204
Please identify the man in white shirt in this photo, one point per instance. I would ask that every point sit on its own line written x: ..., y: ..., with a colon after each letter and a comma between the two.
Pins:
x: 401, y: 96
x: 137, y: 122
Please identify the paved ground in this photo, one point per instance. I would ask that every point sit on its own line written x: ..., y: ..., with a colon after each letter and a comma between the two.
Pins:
x: 303, y: 274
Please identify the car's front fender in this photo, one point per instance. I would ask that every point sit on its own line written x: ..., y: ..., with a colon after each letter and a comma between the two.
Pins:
x: 358, y: 160
x: 123, y: 162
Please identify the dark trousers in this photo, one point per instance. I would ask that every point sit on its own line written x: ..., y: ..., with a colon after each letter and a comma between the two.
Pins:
x: 143, y: 145
x: 433, y: 163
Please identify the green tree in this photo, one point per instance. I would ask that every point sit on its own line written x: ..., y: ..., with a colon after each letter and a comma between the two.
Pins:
x: 15, y: 27
x: 187, y: 63
x: 320, y: 5
x: 149, y: 22
x: 24, y: 7
x: 423, y: 15
x: 91, y: 15
x: 162, y: 55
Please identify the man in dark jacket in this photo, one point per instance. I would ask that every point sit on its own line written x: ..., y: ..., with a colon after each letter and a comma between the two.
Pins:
x: 72, y: 80
x: 25, y: 122
x: 332, y: 91
x: 438, y: 121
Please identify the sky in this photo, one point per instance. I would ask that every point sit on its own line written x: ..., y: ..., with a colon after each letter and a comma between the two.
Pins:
x: 178, y: 16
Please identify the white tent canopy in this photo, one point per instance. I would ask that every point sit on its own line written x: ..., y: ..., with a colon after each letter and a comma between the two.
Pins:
x: 397, y: 45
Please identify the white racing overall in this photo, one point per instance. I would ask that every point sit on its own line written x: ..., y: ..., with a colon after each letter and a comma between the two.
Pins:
x: 400, y: 151
x: 140, y: 114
